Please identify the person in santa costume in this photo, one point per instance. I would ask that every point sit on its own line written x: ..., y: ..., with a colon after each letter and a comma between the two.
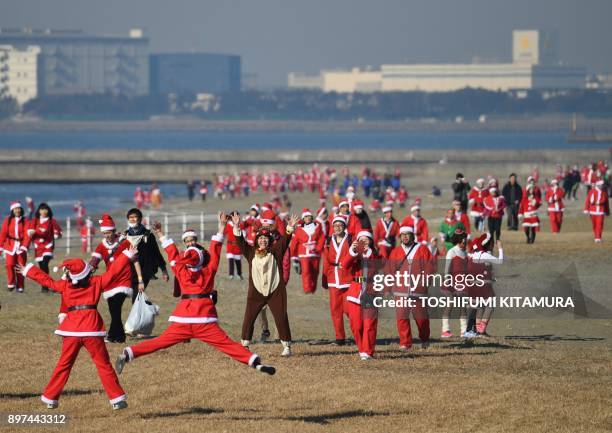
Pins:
x: 82, y: 325
x: 232, y: 250
x: 463, y: 217
x: 418, y: 224
x: 411, y: 257
x: 456, y: 264
x: 111, y: 247
x: 343, y: 211
x: 448, y: 227
x: 14, y: 243
x: 386, y: 232
x: 359, y: 220
x: 528, y: 212
x: 494, y: 211
x: 597, y: 206
x: 43, y: 231
x: 480, y: 263
x: 322, y: 218
x: 267, y: 285
x: 362, y: 262
x: 554, y: 199
x: 306, y: 247
x: 195, y: 316
x: 476, y: 201
x: 537, y: 192
x: 337, y: 278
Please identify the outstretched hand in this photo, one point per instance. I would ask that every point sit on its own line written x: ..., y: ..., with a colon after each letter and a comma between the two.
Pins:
x: 293, y: 220
x: 157, y: 228
x: 19, y: 268
x: 236, y: 219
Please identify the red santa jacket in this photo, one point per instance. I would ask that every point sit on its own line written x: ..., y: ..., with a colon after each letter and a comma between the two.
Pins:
x: 494, y: 206
x: 80, y: 323
x: 195, y: 281
x: 42, y: 233
x: 361, y: 267
x: 337, y: 276
x: 307, y: 241
x: 597, y: 202
x: 357, y: 224
x: 476, y: 200
x: 411, y: 260
x: 109, y: 253
x: 554, y: 198
x: 14, y: 238
x: 385, y: 233
x: 419, y: 225
x: 232, y: 250
x: 528, y: 210
x: 465, y: 220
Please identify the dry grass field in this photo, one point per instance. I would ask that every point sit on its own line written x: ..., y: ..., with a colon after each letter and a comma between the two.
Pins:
x: 546, y: 374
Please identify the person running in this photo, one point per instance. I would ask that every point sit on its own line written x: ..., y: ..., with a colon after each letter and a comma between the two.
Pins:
x: 195, y: 316
x: 494, y: 211
x: 528, y: 212
x: 82, y: 326
x: 43, y: 232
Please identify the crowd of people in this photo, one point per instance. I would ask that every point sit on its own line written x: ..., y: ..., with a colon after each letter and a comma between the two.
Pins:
x: 341, y: 249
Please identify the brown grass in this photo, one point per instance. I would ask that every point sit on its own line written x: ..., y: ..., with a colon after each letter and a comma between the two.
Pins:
x: 536, y: 375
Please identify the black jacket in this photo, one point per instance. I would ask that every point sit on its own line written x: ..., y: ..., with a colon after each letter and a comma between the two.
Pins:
x: 512, y: 194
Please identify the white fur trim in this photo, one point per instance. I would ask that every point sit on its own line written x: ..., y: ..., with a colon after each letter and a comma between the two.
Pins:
x: 189, y: 233
x: 118, y: 399
x: 128, y: 254
x: 80, y: 334
x: 233, y: 256
x: 387, y: 209
x: 339, y: 218
x: 252, y: 359
x: 121, y: 289
x: 130, y: 353
x: 166, y: 243
x: 338, y: 286
x: 96, y: 255
x: 415, y: 207
x: 353, y: 253
x: 353, y: 299
x: 16, y: 205
x: 364, y: 233
x: 179, y: 319
x: 61, y: 317
x: 40, y: 258
x: 26, y: 269
x: 266, y: 222
x: 406, y: 229
x: 48, y: 400
x: 107, y: 228
x: 217, y: 238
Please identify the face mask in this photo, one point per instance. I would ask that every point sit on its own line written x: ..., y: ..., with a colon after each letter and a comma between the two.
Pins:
x: 132, y: 225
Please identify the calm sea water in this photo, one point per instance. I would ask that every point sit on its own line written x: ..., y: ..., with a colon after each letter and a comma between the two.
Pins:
x: 284, y: 140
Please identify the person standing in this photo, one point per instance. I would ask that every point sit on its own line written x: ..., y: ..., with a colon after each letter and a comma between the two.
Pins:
x: 387, y: 230
x: 597, y: 206
x: 456, y: 264
x: 190, y: 190
x: 418, y: 224
x: 494, y: 211
x: 448, y: 227
x: 476, y: 200
x: 232, y: 250
x: 14, y: 242
x: 266, y: 282
x: 554, y: 199
x: 203, y: 190
x: 306, y: 246
x: 528, y: 212
x: 43, y: 231
x: 513, y: 194
x: 149, y: 256
x: 461, y: 189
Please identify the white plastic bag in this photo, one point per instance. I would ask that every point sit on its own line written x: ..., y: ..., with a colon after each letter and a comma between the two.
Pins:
x: 142, y: 316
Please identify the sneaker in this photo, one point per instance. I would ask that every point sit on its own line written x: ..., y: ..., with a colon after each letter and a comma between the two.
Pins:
x: 240, y: 277
x: 265, y: 335
x: 268, y: 369
x: 230, y: 277
x: 52, y: 405
x: 424, y: 345
x: 286, y: 351
x: 365, y: 357
x: 245, y: 343
x: 482, y: 334
x: 20, y: 290
x: 44, y: 290
x: 469, y: 334
x: 120, y: 363
x: 120, y: 405
x: 446, y: 334
x: 404, y: 348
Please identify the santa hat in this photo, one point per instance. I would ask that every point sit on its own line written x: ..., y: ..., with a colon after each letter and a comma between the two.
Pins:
x: 357, y: 204
x: 492, y: 181
x: 306, y: 212
x: 554, y: 182
x: 77, y: 269
x: 492, y: 190
x: 321, y: 211
x: 406, y: 229
x: 268, y: 217
x: 364, y: 233
x: 530, y: 178
x: 106, y: 223
x: 417, y: 201
x: 334, y: 209
x: 343, y: 203
x: 480, y: 181
x: 387, y: 209
x: 189, y: 233
x: 266, y: 206
x: 415, y: 208
x: 339, y: 219
x: 481, y: 241
x: 16, y: 204
x: 255, y: 207
x: 193, y: 257
x: 456, y: 202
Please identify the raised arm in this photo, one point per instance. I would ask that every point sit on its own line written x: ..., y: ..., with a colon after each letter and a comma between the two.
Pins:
x: 216, y: 243
x: 283, y: 243
x: 34, y: 273
x: 115, y: 269
x: 248, y: 251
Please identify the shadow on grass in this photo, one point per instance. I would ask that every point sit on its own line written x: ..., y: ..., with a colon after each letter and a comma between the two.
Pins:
x: 323, y: 419
x: 396, y: 354
x: 551, y: 337
x: 24, y: 395
x: 189, y: 411
x: 479, y: 344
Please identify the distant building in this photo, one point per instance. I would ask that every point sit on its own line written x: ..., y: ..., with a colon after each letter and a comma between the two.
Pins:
x: 18, y: 73
x: 72, y: 62
x: 534, y: 66
x: 195, y: 73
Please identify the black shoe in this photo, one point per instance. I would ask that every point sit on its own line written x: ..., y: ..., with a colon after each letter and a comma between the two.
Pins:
x: 268, y: 369
x: 339, y: 343
x: 265, y: 336
x: 44, y: 290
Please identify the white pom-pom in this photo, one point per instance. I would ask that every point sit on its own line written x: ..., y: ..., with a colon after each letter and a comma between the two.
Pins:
x: 74, y: 282
x: 55, y: 269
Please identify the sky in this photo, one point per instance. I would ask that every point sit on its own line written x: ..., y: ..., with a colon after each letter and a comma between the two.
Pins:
x: 275, y: 37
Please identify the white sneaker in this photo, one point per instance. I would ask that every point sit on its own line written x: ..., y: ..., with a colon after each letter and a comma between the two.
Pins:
x: 470, y: 334
x: 51, y: 405
x: 286, y: 348
x: 365, y: 357
x: 245, y: 343
x: 120, y: 405
x: 230, y: 277
x: 120, y: 363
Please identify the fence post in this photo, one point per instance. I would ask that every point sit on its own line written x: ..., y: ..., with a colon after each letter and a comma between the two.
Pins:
x: 166, y: 223
x: 147, y: 221
x: 88, y: 237
x: 202, y: 234
x: 68, y: 235
x: 184, y: 222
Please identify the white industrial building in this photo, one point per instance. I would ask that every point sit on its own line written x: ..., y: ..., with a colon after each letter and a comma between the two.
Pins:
x: 534, y: 66
x: 18, y: 73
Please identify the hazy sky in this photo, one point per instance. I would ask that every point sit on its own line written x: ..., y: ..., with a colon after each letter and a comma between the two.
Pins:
x: 275, y: 37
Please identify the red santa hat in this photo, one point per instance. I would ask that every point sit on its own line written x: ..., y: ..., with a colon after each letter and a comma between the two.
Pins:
x: 480, y: 243
x: 415, y: 208
x: 417, y: 201
x: 554, y: 182
x: 530, y: 179
x: 343, y: 203
x: 492, y: 182
x: 189, y: 233
x: 255, y: 207
x: 492, y: 190
x: 266, y: 206
x: 77, y: 269
x: 193, y: 257
x: 306, y: 212
x: 339, y: 219
x: 387, y: 209
x: 364, y: 233
x: 480, y: 181
x: 268, y: 217
x: 357, y: 204
x: 406, y: 229
x: 16, y: 204
x: 106, y: 223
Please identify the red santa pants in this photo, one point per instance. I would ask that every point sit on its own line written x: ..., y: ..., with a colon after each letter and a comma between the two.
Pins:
x: 364, y: 323
x: 598, y: 224
x: 337, y: 307
x: 13, y: 277
x: 556, y: 219
x: 70, y: 350
x: 420, y: 316
x: 310, y: 273
x: 209, y: 333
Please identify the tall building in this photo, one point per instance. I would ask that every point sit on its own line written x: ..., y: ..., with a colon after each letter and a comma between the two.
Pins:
x: 18, y: 73
x: 72, y: 62
x: 195, y: 73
